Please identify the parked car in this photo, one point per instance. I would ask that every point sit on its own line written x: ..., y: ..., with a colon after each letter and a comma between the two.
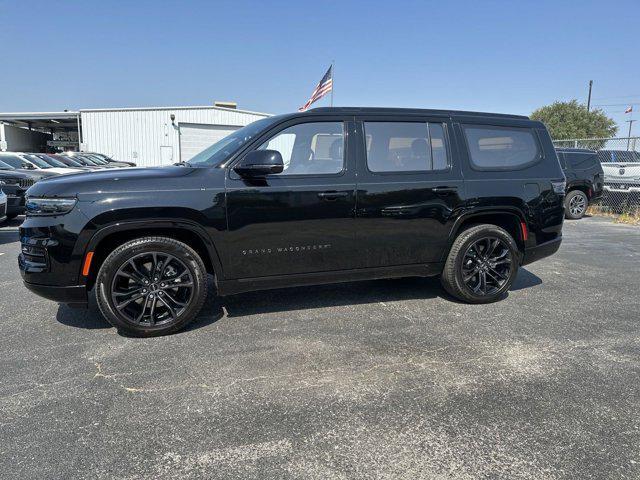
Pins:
x: 69, y: 162
x: 110, y: 161
x: 41, y: 164
x: 15, y: 184
x: 58, y: 163
x: 90, y: 159
x: 3, y: 206
x: 585, y: 179
x: 621, y: 177
x: 106, y: 158
x: 18, y: 163
x: 294, y: 200
x: 85, y: 162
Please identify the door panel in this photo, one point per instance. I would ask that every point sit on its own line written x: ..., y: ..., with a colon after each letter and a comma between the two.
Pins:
x: 298, y: 221
x: 405, y: 216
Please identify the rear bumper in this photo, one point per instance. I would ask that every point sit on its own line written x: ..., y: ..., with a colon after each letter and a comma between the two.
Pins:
x: 541, y: 251
x: 73, y: 294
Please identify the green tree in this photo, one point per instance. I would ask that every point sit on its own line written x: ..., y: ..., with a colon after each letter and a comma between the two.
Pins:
x: 567, y: 120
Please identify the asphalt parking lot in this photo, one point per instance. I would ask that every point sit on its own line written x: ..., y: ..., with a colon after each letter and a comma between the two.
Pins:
x: 384, y: 379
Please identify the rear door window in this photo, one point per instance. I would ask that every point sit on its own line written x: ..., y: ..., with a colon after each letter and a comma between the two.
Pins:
x: 405, y: 146
x: 501, y: 148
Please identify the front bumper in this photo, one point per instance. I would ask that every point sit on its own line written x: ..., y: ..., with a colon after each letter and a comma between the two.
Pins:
x: 546, y: 249
x: 73, y: 294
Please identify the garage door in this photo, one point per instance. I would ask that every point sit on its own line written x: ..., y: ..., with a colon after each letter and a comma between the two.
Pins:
x: 195, y: 137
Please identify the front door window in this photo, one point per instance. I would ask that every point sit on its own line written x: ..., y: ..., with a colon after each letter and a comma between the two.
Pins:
x: 310, y: 148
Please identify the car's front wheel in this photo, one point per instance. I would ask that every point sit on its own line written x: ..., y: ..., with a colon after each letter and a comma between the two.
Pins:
x: 482, y: 264
x: 151, y: 286
x: 575, y: 205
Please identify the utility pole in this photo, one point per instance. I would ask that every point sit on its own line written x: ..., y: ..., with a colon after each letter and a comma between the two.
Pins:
x: 630, y: 122
x: 589, y: 98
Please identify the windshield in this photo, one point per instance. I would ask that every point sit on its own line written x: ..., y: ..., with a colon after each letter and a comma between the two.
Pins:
x: 86, y: 160
x: 101, y: 156
x: 95, y: 158
x: 67, y: 161
x: 5, y: 166
x: 37, y: 161
x: 618, y: 156
x: 13, y: 160
x: 81, y: 161
x: 52, y: 161
x: 222, y: 149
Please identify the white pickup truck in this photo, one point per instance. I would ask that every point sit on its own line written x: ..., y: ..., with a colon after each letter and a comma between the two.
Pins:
x: 621, y: 177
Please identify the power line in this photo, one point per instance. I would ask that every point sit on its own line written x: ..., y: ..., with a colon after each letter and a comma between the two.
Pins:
x: 619, y: 96
x: 617, y: 104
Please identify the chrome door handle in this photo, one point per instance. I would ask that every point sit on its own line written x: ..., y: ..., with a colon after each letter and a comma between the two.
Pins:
x: 332, y: 195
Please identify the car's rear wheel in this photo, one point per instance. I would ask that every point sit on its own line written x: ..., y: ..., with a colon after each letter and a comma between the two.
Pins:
x: 151, y: 286
x: 575, y: 204
x: 482, y: 264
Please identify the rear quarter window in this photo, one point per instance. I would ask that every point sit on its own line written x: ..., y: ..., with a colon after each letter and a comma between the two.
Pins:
x: 581, y: 161
x: 501, y: 148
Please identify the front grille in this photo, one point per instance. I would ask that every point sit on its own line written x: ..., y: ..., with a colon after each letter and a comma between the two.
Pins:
x: 26, y: 182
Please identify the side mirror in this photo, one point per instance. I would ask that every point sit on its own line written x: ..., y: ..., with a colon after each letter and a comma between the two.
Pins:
x: 260, y: 163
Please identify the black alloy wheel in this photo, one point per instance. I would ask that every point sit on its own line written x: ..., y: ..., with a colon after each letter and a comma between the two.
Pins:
x: 481, y: 265
x: 151, y: 286
x: 486, y: 266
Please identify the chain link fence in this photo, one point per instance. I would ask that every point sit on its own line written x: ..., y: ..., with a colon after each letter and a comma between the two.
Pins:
x: 620, y: 160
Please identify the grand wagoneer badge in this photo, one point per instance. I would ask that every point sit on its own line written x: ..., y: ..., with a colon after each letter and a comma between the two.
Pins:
x: 293, y: 249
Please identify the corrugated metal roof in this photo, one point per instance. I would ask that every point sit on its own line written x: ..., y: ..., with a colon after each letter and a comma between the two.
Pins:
x: 142, y: 109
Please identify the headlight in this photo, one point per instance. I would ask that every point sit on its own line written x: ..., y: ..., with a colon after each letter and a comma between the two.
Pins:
x: 49, y: 206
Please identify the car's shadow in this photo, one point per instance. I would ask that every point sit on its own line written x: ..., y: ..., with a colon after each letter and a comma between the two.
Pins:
x: 9, y: 236
x: 9, y: 231
x: 297, y: 298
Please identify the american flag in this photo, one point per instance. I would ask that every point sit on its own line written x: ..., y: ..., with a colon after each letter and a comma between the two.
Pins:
x: 324, y: 87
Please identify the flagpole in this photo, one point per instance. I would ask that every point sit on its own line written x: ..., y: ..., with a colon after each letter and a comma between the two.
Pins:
x: 332, y: 80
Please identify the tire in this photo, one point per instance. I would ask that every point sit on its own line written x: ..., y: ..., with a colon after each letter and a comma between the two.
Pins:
x: 575, y: 205
x: 142, y: 300
x: 12, y: 216
x: 462, y: 262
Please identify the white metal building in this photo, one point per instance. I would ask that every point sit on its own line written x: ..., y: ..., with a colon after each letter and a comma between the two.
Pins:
x: 147, y: 136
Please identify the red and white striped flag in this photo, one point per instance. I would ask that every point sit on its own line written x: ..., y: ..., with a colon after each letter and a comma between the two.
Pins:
x: 324, y: 87
x: 629, y: 109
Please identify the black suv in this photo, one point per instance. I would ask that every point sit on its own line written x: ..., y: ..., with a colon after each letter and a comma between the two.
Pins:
x: 329, y: 195
x: 585, y: 179
x: 15, y: 184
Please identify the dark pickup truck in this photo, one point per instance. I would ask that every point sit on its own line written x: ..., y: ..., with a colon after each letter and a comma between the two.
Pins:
x: 585, y: 179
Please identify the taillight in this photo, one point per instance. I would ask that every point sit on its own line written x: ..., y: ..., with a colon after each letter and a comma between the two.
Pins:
x: 524, y: 231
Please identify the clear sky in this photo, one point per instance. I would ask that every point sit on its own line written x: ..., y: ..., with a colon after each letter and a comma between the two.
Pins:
x: 501, y: 56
